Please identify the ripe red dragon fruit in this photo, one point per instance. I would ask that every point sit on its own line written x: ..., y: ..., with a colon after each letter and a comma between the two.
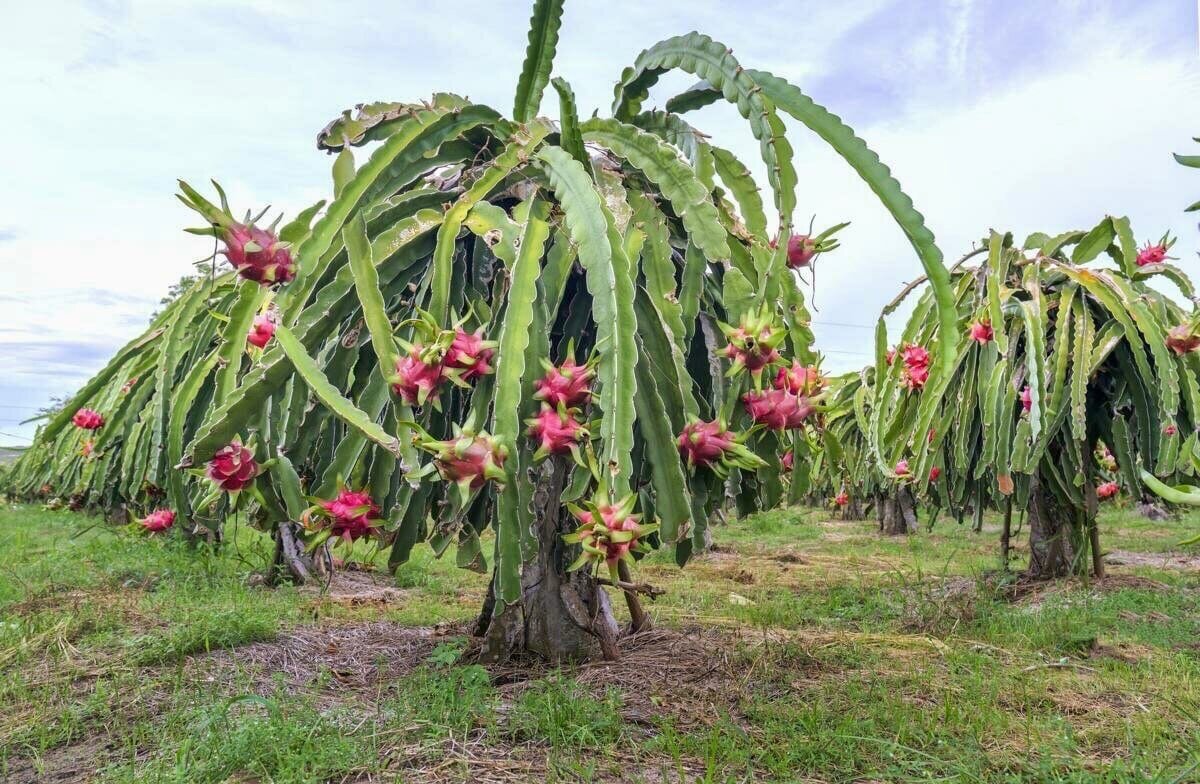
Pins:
x: 469, y: 460
x: 88, y: 419
x: 566, y: 385
x: 1107, y: 490
x: 233, y: 467
x: 777, y: 409
x: 711, y: 445
x: 916, y: 366
x: 934, y: 473
x: 469, y: 355
x: 557, y: 431
x: 842, y: 499
x: 157, y: 521
x: 1183, y: 339
x: 901, y: 468
x: 753, y: 344
x: 981, y: 332
x: 1027, y: 398
x: 801, y: 250
x: 800, y: 380
x: 607, y: 532
x: 257, y: 254
x: 1152, y: 254
x: 417, y: 376
x: 789, y: 461
x: 352, y: 514
x: 262, y: 331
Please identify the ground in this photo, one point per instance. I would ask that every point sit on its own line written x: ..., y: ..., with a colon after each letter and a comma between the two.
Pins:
x: 801, y: 649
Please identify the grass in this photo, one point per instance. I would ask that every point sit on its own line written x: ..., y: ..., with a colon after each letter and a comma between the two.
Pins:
x: 803, y: 650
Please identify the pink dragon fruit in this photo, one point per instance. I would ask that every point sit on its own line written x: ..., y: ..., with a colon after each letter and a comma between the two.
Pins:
x: 916, y: 366
x: 1107, y: 490
x: 233, y: 467
x: 262, y: 331
x: 469, y: 460
x: 800, y: 380
x: 711, y: 445
x: 257, y: 254
x: 934, y: 473
x: 1170, y: 430
x: 801, y: 250
x: 470, y: 355
x: 557, y: 431
x: 566, y: 385
x: 607, y: 533
x: 842, y: 499
x: 753, y: 344
x: 1152, y: 254
x: 417, y: 377
x: 777, y: 409
x: 789, y: 461
x: 352, y: 515
x: 1027, y: 398
x: 88, y: 419
x: 901, y: 468
x: 1183, y: 339
x: 157, y: 521
x: 981, y: 332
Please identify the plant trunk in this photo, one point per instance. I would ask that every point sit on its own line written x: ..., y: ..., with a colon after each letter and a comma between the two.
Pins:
x: 1051, y: 540
x: 292, y: 563
x: 561, y: 616
x: 897, y: 512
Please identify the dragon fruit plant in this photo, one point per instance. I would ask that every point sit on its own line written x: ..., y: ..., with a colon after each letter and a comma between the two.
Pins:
x: 1079, y: 350
x: 470, y: 269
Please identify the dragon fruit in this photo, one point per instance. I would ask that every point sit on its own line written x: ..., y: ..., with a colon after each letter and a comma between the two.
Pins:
x: 801, y: 249
x: 789, y: 461
x: 557, y: 431
x: 916, y: 366
x: 88, y: 419
x: 753, y: 344
x: 934, y: 473
x: 257, y: 254
x: 233, y: 467
x: 566, y: 385
x: 842, y: 499
x: 1027, y: 398
x: 468, y: 459
x: 800, y: 380
x: 469, y: 355
x: 157, y: 521
x: 352, y: 515
x: 1183, y: 339
x: 777, y: 409
x: 607, y: 532
x: 417, y: 376
x: 1170, y: 430
x: 1107, y: 490
x: 981, y: 332
x: 711, y: 445
x: 1152, y: 254
x: 262, y: 331
x: 901, y: 468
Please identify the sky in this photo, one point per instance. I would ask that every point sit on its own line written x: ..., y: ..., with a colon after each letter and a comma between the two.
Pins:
x: 1018, y: 115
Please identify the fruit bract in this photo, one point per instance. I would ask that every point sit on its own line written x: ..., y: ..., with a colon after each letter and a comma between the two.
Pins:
x: 469, y: 460
x: 556, y: 430
x: 565, y: 385
x: 352, y: 514
x: 800, y: 379
x: 607, y: 532
x: 753, y: 344
x: 232, y: 467
x: 416, y: 378
x: 257, y: 254
x: 469, y: 355
x: 712, y: 445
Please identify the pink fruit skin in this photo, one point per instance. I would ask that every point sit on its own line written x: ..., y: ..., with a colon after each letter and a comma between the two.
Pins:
x: 789, y: 460
x: 267, y: 265
x: 555, y: 433
x: 262, y: 331
x: 902, y: 468
x: 469, y: 355
x: 981, y: 332
x: 916, y: 366
x: 566, y: 385
x: 352, y: 514
x: 1027, y: 399
x: 416, y: 380
x: 934, y: 473
x: 842, y: 499
x: 800, y: 380
x: 1182, y: 340
x: 470, y: 465
x: 158, y: 520
x: 777, y: 409
x: 233, y: 467
x: 753, y: 353
x: 1107, y: 490
x: 704, y: 443
x: 800, y: 251
x: 88, y: 419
